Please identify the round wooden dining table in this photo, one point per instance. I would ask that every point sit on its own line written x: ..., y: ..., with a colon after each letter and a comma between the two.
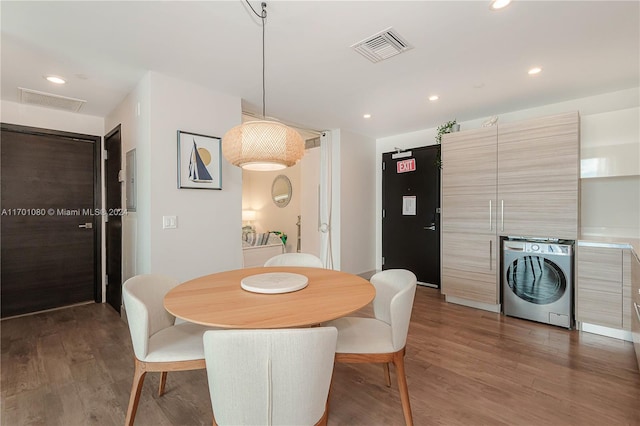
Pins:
x: 218, y: 300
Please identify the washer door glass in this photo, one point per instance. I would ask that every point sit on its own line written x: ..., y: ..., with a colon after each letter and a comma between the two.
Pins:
x: 536, y: 280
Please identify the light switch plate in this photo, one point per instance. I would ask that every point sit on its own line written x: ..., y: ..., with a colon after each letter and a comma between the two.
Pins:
x: 169, y: 222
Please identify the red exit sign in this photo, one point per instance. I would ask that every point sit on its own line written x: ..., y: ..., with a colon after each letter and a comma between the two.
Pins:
x: 406, y: 165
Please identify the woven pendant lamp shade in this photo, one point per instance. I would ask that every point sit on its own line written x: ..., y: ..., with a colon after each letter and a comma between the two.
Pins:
x: 262, y: 145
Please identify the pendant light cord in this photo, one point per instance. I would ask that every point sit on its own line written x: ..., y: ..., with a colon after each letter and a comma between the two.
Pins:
x: 262, y: 16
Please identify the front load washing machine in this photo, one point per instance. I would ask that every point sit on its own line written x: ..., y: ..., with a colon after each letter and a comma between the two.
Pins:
x: 537, y: 281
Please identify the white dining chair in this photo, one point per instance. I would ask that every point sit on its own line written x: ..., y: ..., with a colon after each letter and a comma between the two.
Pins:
x: 159, y: 343
x: 295, y: 259
x: 270, y: 377
x: 382, y: 339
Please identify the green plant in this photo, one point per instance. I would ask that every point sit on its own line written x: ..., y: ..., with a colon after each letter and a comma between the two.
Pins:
x: 445, y: 128
x: 282, y: 236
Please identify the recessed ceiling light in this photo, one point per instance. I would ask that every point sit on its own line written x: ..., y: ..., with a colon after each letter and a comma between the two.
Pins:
x: 534, y: 71
x: 54, y: 79
x: 433, y: 98
x: 367, y: 116
x: 499, y: 4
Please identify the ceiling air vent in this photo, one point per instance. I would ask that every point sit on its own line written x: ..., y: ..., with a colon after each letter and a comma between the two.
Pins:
x: 28, y: 96
x: 312, y: 143
x: 382, y: 46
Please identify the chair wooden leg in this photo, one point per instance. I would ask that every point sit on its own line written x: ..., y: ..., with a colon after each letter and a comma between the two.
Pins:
x: 326, y: 406
x: 136, y: 388
x: 323, y: 420
x: 163, y: 381
x: 398, y: 361
x: 387, y: 376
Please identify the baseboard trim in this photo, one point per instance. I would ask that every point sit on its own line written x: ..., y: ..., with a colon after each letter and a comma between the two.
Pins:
x: 50, y: 310
x: 367, y: 275
x: 605, y: 331
x: 473, y: 304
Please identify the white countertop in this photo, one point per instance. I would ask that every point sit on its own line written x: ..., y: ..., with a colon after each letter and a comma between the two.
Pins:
x: 610, y: 242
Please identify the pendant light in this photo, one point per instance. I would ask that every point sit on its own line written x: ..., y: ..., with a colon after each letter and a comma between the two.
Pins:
x: 262, y: 144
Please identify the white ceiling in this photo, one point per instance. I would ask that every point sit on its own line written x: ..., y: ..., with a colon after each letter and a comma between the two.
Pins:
x: 475, y: 59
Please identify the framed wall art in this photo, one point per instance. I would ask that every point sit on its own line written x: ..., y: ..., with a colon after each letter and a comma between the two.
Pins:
x: 199, y: 161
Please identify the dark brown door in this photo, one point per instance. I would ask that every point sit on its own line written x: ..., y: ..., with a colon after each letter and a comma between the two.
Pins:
x: 112, y: 144
x: 411, y: 212
x: 50, y: 244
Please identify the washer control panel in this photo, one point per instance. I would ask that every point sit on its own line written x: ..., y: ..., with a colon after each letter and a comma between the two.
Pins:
x: 539, y: 247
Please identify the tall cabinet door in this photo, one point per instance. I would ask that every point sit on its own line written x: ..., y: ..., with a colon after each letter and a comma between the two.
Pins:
x: 469, y: 251
x: 469, y: 266
x: 538, y: 175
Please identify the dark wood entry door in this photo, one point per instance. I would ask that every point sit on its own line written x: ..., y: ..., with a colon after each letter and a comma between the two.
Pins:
x: 113, y: 146
x: 50, y: 238
x: 411, y: 212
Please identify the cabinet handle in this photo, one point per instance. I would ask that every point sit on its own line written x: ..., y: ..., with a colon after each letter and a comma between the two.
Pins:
x: 635, y: 305
x: 490, y: 224
x: 502, y: 215
x: 490, y: 255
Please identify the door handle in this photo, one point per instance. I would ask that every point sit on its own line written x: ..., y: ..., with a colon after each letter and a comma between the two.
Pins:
x: 87, y: 225
x: 491, y: 255
x: 490, y: 221
x: 431, y: 227
x: 637, y: 307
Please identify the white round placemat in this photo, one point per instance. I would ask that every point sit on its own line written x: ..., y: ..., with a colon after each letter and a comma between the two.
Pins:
x: 274, y: 282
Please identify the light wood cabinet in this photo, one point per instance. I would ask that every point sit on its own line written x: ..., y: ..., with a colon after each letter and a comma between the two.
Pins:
x: 469, y: 162
x: 538, y: 175
x: 603, y: 287
x: 472, y: 275
x: 468, y: 218
x: 627, y: 309
x: 517, y: 179
x: 635, y: 303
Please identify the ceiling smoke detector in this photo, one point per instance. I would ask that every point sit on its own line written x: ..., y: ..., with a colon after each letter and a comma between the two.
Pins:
x: 48, y: 100
x: 381, y: 46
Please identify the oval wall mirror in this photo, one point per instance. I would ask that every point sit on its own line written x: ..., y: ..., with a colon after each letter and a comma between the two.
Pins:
x: 281, y: 191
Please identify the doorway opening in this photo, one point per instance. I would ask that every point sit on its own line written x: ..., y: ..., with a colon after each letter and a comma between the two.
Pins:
x: 296, y: 221
x: 113, y: 220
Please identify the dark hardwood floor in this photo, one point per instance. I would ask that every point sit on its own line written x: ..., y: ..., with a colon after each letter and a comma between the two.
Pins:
x: 464, y: 367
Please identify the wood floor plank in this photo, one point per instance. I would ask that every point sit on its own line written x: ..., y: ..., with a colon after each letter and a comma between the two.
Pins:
x: 464, y: 367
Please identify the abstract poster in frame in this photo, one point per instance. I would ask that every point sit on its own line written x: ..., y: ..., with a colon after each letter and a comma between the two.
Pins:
x: 199, y: 161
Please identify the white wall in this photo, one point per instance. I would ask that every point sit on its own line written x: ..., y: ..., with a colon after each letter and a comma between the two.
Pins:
x: 48, y: 118
x: 357, y: 196
x: 310, y: 200
x: 614, y: 105
x: 207, y: 238
x: 134, y: 114
x: 256, y: 195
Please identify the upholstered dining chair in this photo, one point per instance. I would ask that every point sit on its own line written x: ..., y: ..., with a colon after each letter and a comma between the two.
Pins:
x: 382, y: 339
x: 159, y: 343
x: 270, y: 377
x: 295, y: 259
